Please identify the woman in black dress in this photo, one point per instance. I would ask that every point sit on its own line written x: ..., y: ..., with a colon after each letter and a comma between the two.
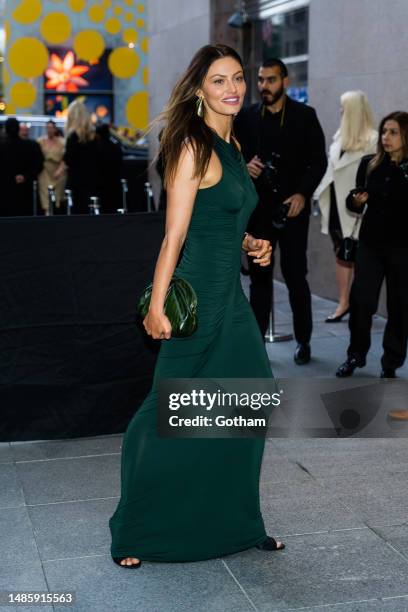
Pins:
x: 81, y: 158
x: 381, y: 185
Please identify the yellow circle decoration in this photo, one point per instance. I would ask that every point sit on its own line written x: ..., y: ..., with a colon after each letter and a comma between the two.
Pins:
x: 28, y: 11
x: 113, y: 25
x: 10, y: 108
x: 140, y: 23
x: 144, y: 45
x: 28, y: 57
x: 23, y: 95
x: 129, y: 17
x: 7, y: 31
x: 118, y: 10
x: 140, y: 8
x: 146, y: 76
x: 55, y: 28
x: 130, y: 36
x: 77, y: 5
x: 123, y: 62
x: 89, y: 45
x: 96, y: 13
x: 6, y: 76
x: 107, y: 3
x: 137, y: 110
x: 129, y: 2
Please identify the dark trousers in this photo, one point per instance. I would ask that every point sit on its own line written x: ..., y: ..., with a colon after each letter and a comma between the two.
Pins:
x: 373, y: 265
x: 292, y: 240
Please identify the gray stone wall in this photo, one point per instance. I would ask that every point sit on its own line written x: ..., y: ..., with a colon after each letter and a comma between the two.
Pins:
x: 353, y: 44
x: 358, y: 44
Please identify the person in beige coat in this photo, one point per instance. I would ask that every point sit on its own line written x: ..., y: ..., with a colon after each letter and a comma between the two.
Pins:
x: 52, y: 146
x: 355, y: 138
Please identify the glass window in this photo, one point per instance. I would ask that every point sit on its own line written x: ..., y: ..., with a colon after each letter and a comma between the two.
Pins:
x: 298, y: 81
x: 284, y: 35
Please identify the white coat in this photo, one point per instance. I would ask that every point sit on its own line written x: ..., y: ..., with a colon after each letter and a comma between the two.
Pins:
x: 342, y: 172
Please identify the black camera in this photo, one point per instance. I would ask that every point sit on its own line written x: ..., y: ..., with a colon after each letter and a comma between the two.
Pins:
x: 279, y: 215
x: 269, y: 176
x: 270, y: 182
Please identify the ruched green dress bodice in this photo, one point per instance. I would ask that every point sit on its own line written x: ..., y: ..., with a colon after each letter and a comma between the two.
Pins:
x: 194, y: 499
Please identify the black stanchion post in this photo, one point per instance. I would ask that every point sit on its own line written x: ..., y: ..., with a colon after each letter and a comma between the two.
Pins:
x: 52, y: 200
x: 125, y: 190
x: 94, y: 206
x: 149, y: 197
x: 68, y: 197
x: 271, y: 335
x: 35, y: 198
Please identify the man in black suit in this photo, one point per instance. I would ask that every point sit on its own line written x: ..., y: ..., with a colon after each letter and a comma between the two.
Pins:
x: 21, y: 161
x: 284, y: 147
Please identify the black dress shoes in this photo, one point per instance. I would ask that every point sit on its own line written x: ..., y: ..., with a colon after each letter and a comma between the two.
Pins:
x: 118, y: 560
x: 388, y: 373
x: 339, y: 318
x: 270, y: 544
x: 347, y: 368
x: 302, y: 353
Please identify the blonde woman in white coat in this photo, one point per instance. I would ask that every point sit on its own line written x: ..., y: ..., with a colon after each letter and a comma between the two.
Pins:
x: 355, y: 138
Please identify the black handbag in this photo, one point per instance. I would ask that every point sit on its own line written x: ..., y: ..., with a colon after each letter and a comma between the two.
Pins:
x: 347, y: 250
x: 180, y: 306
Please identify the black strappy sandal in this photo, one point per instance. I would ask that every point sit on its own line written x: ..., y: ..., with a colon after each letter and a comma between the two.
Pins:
x: 270, y: 544
x: 118, y: 560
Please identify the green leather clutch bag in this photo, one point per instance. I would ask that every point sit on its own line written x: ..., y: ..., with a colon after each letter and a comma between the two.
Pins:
x: 180, y: 306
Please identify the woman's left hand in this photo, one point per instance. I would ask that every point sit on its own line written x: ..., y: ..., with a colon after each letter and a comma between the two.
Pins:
x: 258, y: 248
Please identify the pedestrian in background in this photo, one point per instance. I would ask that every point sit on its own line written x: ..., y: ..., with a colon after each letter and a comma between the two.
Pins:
x: 109, y: 154
x: 284, y: 147
x: 381, y: 185
x: 81, y: 157
x: 20, y: 163
x: 52, y: 146
x: 355, y: 138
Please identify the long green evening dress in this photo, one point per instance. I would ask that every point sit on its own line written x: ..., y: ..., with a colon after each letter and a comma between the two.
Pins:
x: 197, y: 498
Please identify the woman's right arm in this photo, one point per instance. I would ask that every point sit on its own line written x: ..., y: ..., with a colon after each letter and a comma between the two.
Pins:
x: 181, y: 194
x: 355, y: 201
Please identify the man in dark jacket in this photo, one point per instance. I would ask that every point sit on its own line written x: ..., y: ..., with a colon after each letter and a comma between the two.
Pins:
x: 109, y: 156
x: 21, y: 161
x: 284, y: 147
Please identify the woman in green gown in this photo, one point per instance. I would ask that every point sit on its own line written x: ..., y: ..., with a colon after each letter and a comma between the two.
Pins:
x: 191, y: 499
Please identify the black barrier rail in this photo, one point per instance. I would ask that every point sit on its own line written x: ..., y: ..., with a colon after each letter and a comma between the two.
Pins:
x: 67, y: 207
x: 73, y: 360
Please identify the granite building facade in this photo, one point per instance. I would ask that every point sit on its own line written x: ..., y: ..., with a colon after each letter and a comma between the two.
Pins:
x: 330, y: 46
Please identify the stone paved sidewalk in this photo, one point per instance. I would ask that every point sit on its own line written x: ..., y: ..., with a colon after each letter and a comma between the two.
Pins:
x: 340, y: 505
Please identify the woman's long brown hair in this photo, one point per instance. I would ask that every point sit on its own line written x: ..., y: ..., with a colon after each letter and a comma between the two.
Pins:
x: 182, y: 124
x: 401, y: 118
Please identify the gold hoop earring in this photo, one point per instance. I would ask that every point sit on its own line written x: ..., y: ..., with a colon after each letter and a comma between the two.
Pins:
x: 200, y: 107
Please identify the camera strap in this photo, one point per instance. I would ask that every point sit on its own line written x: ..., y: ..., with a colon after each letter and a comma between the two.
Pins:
x: 261, y: 130
x: 263, y: 111
x: 356, y: 224
x: 360, y: 215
